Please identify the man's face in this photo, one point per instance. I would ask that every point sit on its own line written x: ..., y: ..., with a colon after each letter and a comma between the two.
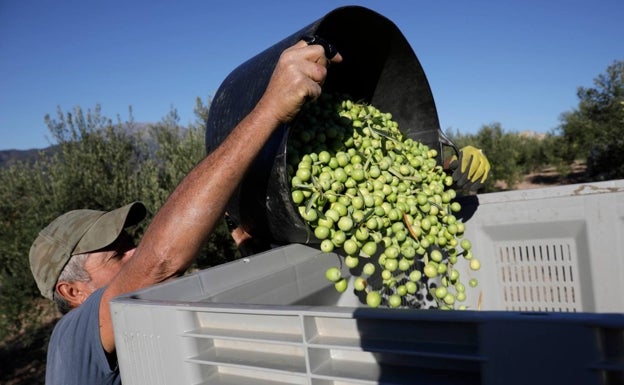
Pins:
x: 103, y: 265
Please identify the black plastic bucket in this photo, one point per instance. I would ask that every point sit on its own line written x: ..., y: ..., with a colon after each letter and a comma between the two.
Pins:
x: 379, y: 67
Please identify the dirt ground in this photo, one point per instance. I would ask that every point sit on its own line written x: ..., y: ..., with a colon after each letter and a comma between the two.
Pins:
x: 23, y: 357
x: 551, y: 177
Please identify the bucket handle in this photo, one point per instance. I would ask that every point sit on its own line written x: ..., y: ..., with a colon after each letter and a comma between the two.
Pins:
x: 446, y: 141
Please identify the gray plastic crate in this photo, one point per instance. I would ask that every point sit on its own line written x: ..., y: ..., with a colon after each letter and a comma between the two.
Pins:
x: 274, y: 319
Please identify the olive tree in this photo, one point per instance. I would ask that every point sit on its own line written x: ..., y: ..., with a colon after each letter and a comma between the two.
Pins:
x: 97, y: 163
x: 594, y: 130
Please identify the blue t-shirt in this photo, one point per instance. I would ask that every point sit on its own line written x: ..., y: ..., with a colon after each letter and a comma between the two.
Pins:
x: 75, y: 352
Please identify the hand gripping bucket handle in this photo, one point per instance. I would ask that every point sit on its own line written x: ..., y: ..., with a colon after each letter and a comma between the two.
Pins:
x: 379, y: 67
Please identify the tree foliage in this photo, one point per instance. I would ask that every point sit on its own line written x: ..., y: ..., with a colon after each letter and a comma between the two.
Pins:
x: 595, y: 129
x: 99, y: 164
x: 511, y: 155
x: 592, y: 133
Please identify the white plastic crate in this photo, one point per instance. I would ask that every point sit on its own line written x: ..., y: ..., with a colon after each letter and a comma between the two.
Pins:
x: 551, y: 249
x: 274, y: 319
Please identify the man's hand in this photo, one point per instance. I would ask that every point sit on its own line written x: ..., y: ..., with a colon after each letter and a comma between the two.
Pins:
x: 297, y: 78
x: 471, y: 169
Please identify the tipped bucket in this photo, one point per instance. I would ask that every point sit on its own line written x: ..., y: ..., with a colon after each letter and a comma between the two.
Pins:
x: 378, y: 67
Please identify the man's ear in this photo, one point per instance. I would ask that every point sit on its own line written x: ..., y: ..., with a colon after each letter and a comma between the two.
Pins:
x: 73, y: 292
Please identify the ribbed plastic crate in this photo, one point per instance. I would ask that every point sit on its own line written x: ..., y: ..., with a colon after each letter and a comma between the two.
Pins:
x: 274, y: 319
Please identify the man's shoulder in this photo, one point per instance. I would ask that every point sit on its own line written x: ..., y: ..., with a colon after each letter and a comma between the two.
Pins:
x: 76, y: 323
x: 88, y: 309
x: 75, y: 353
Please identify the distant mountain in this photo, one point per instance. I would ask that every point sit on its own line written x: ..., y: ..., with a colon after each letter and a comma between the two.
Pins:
x: 8, y: 157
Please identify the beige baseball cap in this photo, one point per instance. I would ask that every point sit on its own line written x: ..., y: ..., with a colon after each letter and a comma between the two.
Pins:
x: 77, y: 232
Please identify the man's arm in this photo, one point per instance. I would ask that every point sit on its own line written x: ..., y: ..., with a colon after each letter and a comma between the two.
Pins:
x: 178, y: 230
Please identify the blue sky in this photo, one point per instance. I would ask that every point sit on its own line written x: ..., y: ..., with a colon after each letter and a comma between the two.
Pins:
x: 516, y: 63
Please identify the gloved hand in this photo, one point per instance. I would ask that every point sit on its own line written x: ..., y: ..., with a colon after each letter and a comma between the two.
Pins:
x: 471, y: 169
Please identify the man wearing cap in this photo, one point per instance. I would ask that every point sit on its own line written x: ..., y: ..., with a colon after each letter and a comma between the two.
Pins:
x: 84, y: 258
